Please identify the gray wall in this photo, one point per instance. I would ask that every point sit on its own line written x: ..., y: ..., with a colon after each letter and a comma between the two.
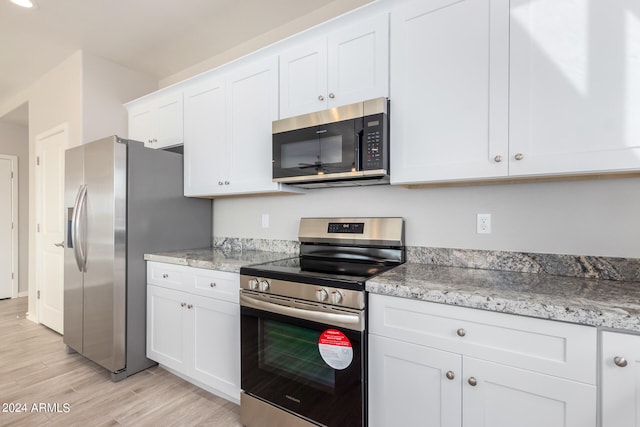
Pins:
x: 594, y: 217
x: 14, y: 141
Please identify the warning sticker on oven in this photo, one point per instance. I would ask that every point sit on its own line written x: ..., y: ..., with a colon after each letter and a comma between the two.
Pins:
x: 335, y: 349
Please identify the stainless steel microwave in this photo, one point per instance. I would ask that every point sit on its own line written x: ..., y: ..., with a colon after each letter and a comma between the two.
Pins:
x: 342, y: 146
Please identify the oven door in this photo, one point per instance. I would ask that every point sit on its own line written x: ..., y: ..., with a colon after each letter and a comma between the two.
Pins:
x: 311, y: 368
x: 318, y: 152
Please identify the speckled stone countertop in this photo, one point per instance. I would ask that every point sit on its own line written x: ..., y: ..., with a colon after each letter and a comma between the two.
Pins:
x: 216, y: 258
x: 595, y: 302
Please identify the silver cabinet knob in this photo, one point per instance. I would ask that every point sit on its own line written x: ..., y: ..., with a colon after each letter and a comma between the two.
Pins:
x: 60, y: 245
x: 150, y: 141
x: 498, y: 158
x: 220, y: 183
x: 212, y: 285
x: 518, y: 156
x: 461, y: 332
x: 450, y: 375
x: 331, y: 95
x: 165, y: 275
x: 226, y: 183
x: 620, y: 361
x: 190, y: 306
x: 473, y: 381
x: 320, y: 98
x: 182, y: 304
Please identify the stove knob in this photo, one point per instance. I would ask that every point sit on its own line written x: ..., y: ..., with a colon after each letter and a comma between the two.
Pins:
x: 253, y: 284
x: 264, y: 286
x: 321, y: 294
x: 336, y: 297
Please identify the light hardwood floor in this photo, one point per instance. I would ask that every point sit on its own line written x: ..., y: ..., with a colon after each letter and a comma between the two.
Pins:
x: 69, y: 390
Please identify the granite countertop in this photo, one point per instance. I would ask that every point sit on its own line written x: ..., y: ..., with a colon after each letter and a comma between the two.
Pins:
x: 606, y: 303
x: 216, y: 258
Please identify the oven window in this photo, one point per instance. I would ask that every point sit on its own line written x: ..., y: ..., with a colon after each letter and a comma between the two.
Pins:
x: 311, y: 153
x: 292, y: 351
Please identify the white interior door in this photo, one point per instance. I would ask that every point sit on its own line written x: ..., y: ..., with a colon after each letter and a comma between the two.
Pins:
x: 50, y: 147
x: 8, y: 226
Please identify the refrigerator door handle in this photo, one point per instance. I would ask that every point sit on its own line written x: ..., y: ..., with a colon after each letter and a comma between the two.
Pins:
x: 82, y: 218
x: 78, y: 249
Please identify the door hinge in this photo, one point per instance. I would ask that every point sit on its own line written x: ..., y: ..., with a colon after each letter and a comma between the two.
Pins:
x: 11, y: 174
x: 37, y: 160
x: 38, y: 294
x: 38, y: 228
x: 12, y: 276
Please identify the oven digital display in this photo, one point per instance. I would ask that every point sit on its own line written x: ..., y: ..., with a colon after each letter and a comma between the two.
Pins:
x: 346, y: 227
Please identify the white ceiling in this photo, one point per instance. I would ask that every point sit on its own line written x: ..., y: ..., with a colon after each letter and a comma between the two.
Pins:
x: 160, y: 37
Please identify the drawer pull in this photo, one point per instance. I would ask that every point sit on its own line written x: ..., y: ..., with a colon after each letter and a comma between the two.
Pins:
x: 182, y: 304
x: 620, y: 361
x: 165, y: 275
x: 450, y: 375
x: 212, y: 284
x: 461, y: 332
x: 190, y: 306
x: 473, y: 381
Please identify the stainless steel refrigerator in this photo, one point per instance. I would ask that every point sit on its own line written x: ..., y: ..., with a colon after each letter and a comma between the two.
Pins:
x: 122, y: 200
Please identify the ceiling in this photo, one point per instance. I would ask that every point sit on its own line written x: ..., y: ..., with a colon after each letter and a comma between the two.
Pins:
x: 160, y: 37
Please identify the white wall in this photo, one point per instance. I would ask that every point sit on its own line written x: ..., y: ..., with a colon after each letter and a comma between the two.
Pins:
x: 14, y: 140
x: 595, y: 217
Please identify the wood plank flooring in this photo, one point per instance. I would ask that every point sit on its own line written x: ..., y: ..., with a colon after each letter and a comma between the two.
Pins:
x: 60, y: 389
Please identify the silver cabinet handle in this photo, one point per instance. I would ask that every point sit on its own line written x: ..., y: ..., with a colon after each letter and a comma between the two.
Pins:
x: 461, y: 332
x: 212, y: 284
x: 331, y: 95
x: 60, y: 245
x: 498, y: 158
x: 473, y: 381
x: 519, y: 156
x: 620, y: 361
x: 165, y: 275
x: 320, y: 98
x: 450, y: 375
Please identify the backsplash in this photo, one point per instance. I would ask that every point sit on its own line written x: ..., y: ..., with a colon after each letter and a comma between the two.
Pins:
x: 590, y: 267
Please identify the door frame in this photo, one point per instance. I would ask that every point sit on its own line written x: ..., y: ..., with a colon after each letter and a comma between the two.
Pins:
x: 15, y: 223
x: 62, y: 128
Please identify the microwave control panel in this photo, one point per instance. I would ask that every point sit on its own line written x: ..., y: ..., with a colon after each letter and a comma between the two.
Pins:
x: 374, y: 142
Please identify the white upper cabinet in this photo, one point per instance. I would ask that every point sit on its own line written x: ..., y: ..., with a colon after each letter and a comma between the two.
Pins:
x: 347, y: 66
x: 157, y: 121
x: 449, y: 91
x: 227, y: 149
x: 575, y: 86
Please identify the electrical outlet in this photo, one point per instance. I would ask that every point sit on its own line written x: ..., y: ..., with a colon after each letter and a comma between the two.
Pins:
x: 483, y: 224
x: 265, y: 220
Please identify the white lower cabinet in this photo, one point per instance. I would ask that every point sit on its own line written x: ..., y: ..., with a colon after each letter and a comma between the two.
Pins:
x: 620, y: 382
x: 437, y: 365
x: 196, y: 336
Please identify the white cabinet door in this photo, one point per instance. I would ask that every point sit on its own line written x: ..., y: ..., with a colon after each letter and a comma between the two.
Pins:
x: 620, y: 368
x: 216, y: 343
x: 166, y: 325
x: 496, y: 395
x: 449, y: 91
x: 303, y: 78
x: 574, y: 86
x: 158, y: 122
x: 252, y: 105
x: 358, y: 62
x: 408, y: 385
x: 350, y: 65
x: 205, y: 122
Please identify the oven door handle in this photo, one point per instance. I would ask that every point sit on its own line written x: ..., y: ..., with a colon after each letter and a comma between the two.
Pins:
x: 353, y: 321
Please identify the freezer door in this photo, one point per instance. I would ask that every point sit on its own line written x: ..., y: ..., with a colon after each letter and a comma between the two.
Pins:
x: 73, y: 279
x: 105, y: 266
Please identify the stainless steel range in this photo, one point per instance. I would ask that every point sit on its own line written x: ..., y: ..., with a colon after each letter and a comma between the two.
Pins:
x: 303, y: 330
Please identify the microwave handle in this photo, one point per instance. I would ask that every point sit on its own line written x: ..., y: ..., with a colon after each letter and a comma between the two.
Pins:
x: 360, y: 136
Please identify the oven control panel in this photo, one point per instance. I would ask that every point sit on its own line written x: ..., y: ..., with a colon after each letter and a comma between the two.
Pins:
x: 304, y: 291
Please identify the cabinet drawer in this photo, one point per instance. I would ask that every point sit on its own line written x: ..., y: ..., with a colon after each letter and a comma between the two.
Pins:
x: 550, y: 347
x: 168, y: 275
x: 217, y: 284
